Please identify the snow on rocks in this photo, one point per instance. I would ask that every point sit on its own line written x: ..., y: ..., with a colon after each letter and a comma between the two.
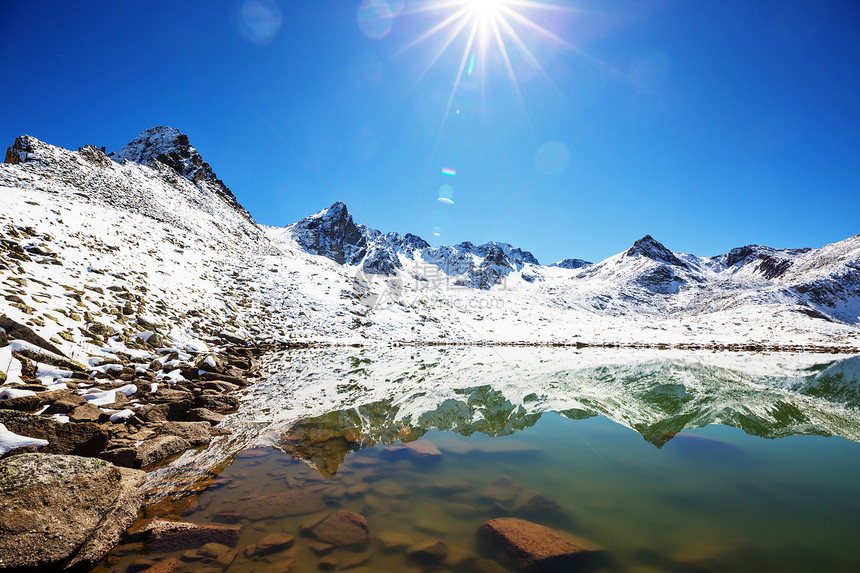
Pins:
x: 10, y: 441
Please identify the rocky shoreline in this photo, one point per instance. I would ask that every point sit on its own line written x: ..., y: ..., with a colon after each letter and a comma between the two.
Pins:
x: 71, y: 452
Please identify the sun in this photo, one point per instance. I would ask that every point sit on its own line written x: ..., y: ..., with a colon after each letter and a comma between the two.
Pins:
x: 487, y: 27
x: 485, y: 9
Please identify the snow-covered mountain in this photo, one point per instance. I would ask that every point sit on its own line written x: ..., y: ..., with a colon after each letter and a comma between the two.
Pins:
x: 332, y: 233
x: 154, y: 220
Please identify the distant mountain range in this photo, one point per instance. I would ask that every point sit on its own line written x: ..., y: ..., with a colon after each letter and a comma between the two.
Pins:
x: 752, y: 292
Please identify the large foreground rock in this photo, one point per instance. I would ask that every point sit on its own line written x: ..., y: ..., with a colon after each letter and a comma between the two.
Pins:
x: 61, y: 512
x: 535, y: 548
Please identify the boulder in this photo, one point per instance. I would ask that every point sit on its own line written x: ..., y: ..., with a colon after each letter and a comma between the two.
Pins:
x: 535, y: 548
x: 343, y: 529
x: 59, y: 511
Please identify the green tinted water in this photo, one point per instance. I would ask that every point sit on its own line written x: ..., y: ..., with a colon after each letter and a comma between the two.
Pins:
x: 677, y: 494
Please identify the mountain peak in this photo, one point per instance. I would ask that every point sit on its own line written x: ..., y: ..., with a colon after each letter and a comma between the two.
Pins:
x: 572, y: 264
x: 169, y: 146
x: 650, y: 248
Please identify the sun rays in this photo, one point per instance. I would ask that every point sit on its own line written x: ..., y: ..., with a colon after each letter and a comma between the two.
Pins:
x: 490, y: 31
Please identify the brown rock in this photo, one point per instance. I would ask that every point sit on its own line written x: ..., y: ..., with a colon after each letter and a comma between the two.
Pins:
x: 167, y: 536
x: 320, y: 548
x: 343, y: 529
x: 429, y: 552
x: 351, y: 561
x: 195, y: 433
x: 422, y: 450
x: 162, y: 412
x: 203, y: 415
x: 158, y: 448
x: 531, y: 547
x: 58, y: 511
x: 394, y: 541
x: 30, y: 403
x: 65, y: 404
x: 216, y: 402
x: 85, y: 413
x: 274, y: 543
x: 220, y: 386
x: 226, y: 559
x: 272, y: 506
x: 82, y: 439
x: 532, y: 505
x: 167, y: 566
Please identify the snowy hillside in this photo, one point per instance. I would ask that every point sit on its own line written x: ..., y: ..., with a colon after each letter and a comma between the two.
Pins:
x: 103, y: 251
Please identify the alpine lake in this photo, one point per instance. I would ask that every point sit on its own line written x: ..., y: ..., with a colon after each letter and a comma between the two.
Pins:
x: 394, y: 459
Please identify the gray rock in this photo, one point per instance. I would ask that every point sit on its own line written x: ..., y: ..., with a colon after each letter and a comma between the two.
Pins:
x: 60, y: 511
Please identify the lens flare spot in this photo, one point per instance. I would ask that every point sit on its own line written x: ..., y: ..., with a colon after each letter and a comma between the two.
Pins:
x: 259, y: 21
x: 471, y: 65
x: 448, y: 172
x: 375, y: 18
x: 446, y: 194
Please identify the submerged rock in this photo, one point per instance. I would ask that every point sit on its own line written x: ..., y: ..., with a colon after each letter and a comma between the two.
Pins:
x: 535, y: 548
x: 167, y: 536
x: 429, y: 552
x: 60, y: 511
x: 276, y: 505
x: 343, y: 529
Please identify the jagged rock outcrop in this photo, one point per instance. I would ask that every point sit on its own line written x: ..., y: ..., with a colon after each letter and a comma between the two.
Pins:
x: 648, y: 247
x: 172, y: 148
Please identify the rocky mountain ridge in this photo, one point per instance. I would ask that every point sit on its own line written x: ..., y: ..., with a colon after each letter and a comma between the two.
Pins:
x: 314, y: 278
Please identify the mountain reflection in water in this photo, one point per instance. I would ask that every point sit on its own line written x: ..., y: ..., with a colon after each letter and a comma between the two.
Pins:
x: 473, y: 390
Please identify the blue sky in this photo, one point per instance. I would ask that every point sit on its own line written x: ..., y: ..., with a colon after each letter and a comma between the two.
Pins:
x: 707, y: 124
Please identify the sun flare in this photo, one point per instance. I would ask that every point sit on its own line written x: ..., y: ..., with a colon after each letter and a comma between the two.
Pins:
x: 491, y: 31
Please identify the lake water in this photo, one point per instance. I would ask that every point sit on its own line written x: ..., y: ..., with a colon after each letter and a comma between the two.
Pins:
x: 672, y: 461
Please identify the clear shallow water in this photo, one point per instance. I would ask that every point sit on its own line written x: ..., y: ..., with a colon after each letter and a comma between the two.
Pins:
x: 627, y: 449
